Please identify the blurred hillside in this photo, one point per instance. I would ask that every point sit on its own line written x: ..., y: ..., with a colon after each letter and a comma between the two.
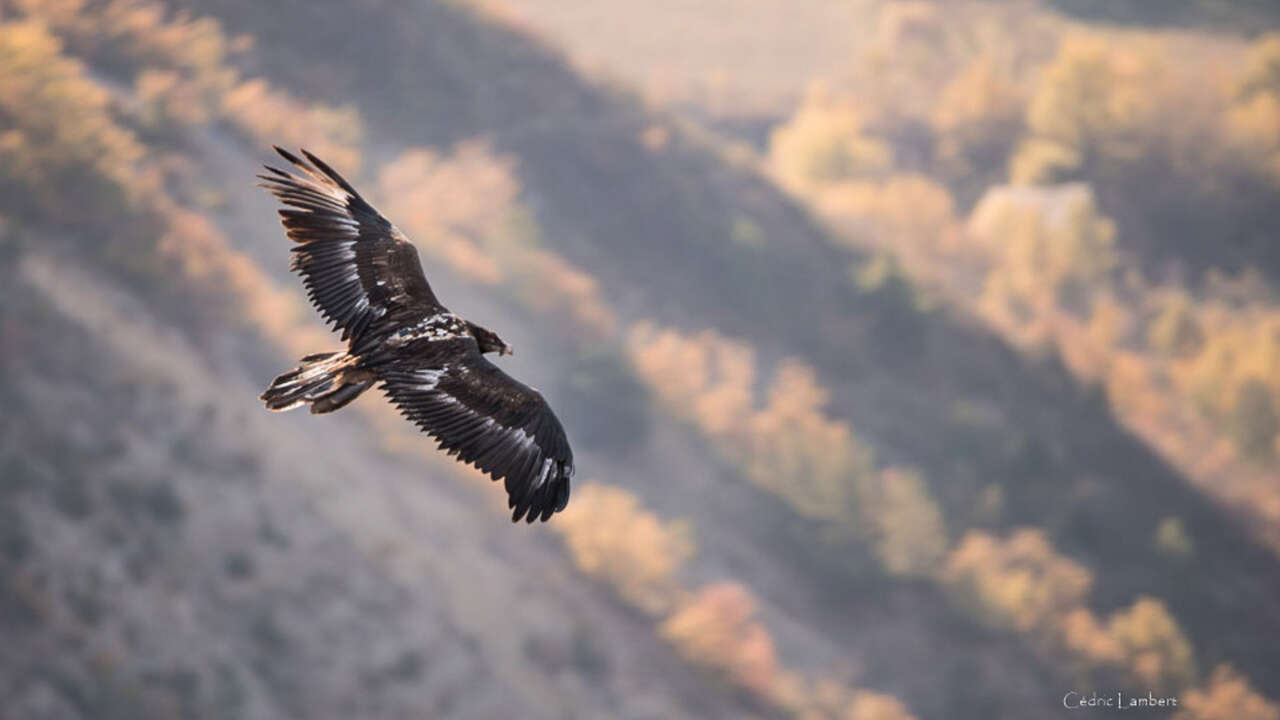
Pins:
x: 934, y: 390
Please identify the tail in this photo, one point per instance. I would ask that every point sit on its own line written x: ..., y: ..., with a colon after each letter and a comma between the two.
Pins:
x: 326, y: 380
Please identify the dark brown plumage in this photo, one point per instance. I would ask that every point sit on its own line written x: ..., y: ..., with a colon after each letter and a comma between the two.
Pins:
x: 365, y: 278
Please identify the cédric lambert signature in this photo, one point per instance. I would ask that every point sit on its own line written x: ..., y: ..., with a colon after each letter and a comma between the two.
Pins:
x: 1116, y: 701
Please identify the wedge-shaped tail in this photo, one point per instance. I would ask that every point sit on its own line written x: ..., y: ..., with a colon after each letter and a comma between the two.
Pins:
x: 327, y: 381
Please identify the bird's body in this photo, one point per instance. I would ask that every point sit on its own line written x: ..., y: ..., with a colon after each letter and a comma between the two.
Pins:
x: 365, y: 278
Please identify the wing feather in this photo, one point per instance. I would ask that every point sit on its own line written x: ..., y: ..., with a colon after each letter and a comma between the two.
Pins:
x: 489, y: 420
x: 358, y: 269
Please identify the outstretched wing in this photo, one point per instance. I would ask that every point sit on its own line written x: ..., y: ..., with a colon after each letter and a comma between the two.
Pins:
x: 357, y: 267
x: 489, y: 420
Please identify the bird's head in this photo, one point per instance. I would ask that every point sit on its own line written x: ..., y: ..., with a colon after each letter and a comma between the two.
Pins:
x: 488, y: 340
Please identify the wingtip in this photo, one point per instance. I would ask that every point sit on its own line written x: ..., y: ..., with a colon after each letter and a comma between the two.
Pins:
x: 542, y: 503
x: 289, y: 156
x: 329, y: 172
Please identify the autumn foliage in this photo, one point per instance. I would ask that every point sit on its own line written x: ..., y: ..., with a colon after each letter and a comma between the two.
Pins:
x: 787, y: 444
x: 1227, y: 696
x: 1022, y: 584
x: 612, y: 538
x: 1058, y: 157
x: 716, y: 628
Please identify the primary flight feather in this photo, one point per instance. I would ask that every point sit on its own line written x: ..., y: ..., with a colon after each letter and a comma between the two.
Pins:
x: 365, y: 278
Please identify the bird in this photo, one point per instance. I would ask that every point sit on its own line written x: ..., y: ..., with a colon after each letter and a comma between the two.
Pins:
x: 365, y: 278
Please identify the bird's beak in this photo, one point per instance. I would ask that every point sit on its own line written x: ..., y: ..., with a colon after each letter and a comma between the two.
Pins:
x: 507, y: 350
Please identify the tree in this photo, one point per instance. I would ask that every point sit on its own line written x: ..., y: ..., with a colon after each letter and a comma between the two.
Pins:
x: 1261, y: 73
x: 1172, y: 539
x: 978, y: 118
x: 1020, y: 582
x: 613, y: 539
x: 1093, y: 103
x: 60, y: 139
x: 1049, y: 249
x: 716, y: 628
x: 1254, y: 421
x: 1176, y: 330
x: 1152, y: 646
x: 869, y: 705
x: 1228, y: 696
x: 814, y: 462
x: 911, y: 539
x: 824, y: 144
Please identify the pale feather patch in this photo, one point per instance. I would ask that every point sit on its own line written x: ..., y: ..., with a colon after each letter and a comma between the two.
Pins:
x: 430, y: 378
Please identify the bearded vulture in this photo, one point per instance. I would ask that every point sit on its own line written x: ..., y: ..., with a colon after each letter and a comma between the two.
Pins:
x: 364, y: 277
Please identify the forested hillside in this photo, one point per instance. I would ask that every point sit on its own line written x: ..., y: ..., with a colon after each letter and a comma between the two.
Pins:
x: 901, y: 413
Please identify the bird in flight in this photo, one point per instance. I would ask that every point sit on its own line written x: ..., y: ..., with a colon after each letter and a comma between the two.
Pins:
x: 364, y: 277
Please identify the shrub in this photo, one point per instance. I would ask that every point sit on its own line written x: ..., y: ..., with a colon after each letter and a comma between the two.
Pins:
x: 1227, y: 697
x: 716, y: 629
x: 1019, y: 583
x: 824, y: 143
x: 613, y: 539
x: 1152, y: 646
